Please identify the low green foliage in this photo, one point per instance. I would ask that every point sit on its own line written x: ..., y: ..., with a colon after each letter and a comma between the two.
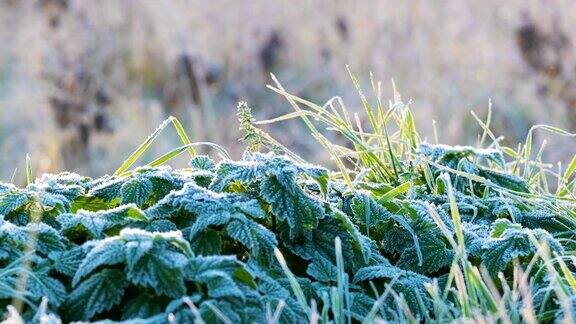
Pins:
x: 413, y: 231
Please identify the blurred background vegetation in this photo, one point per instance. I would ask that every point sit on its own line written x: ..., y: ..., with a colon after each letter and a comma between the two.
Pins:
x: 82, y: 83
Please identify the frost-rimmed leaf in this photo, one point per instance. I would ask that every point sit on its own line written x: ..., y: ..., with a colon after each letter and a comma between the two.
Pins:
x: 99, y: 292
x: 136, y: 190
x: 322, y: 269
x: 217, y: 272
x: 509, y: 240
x: 96, y: 223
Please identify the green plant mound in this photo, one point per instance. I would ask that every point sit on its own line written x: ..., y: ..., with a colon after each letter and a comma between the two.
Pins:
x: 268, y: 239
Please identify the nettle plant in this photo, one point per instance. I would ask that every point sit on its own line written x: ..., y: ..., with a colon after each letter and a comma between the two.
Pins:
x: 403, y: 231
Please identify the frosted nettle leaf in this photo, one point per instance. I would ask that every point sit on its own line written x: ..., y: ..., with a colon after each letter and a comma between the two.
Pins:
x: 367, y: 212
x: 451, y: 155
x: 220, y: 284
x: 500, y: 252
x: 509, y: 241
x: 436, y: 255
x: 13, y: 199
x: 228, y: 172
x: 253, y: 306
x: 13, y: 238
x: 40, y: 284
x: 201, y: 264
x: 109, y: 251
x: 47, y: 238
x: 202, y: 162
x: 67, y: 262
x: 474, y: 237
x: 53, y: 203
x: 381, y: 271
x: 319, y: 174
x: 208, y: 242
x: 202, y: 178
x: 291, y: 204
x: 71, y: 223
x: 108, y: 189
x: 100, y: 292
x: 412, y: 287
x: 362, y: 304
x: 162, y: 178
x: 408, y: 283
x: 250, y: 207
x: 95, y: 223
x: 143, y: 306
x: 136, y: 190
x: 12, y: 232
x: 541, y: 218
x: 153, y: 261
x: 161, y: 225
x: 322, y: 241
x: 70, y: 185
x: 217, y: 273
x: 396, y: 240
x: 225, y: 308
x: 160, y: 269
x: 506, y: 180
x: 322, y: 269
x: 260, y: 240
x: 203, y: 202
x: 6, y: 187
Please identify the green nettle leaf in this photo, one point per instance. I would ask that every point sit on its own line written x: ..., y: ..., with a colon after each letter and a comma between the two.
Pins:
x: 136, y: 190
x: 501, y: 225
x: 100, y: 292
